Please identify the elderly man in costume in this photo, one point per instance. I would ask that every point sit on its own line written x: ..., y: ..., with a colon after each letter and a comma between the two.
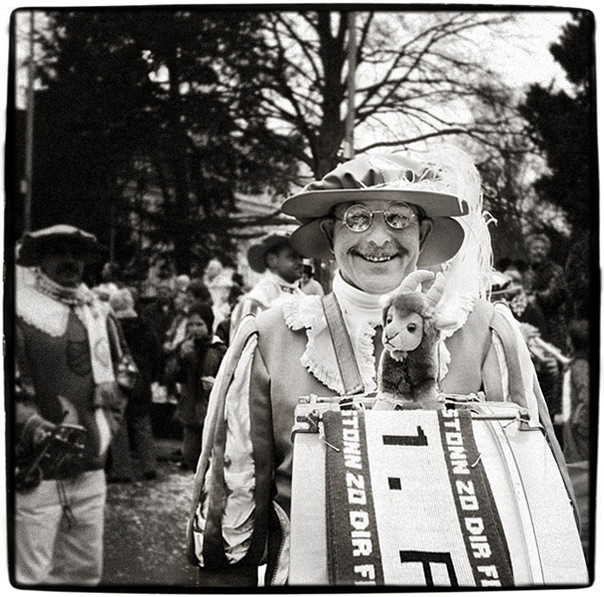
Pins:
x: 67, y: 350
x: 381, y: 218
x: 281, y: 266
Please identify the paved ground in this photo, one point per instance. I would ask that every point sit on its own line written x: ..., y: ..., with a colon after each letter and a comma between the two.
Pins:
x: 145, y: 529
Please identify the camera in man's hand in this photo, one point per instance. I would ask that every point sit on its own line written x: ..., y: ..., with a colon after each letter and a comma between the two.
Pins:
x: 56, y: 451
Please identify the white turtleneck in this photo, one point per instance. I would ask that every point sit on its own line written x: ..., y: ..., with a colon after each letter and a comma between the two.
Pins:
x: 359, y: 307
x: 362, y: 312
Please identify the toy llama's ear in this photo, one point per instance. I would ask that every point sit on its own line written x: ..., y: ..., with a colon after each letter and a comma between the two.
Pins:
x: 413, y: 280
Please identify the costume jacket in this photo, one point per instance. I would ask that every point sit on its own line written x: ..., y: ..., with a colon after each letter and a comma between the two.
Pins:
x: 242, y: 492
x: 546, y: 281
x: 66, y: 359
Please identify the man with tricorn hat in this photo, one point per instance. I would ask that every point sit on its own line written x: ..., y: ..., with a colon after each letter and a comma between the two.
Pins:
x: 67, y: 407
x: 380, y: 217
x: 281, y: 266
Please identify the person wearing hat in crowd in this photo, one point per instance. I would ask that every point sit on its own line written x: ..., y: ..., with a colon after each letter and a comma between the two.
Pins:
x: 282, y: 267
x: 380, y: 218
x: 308, y: 285
x: 66, y: 348
x: 145, y: 348
x: 194, y: 365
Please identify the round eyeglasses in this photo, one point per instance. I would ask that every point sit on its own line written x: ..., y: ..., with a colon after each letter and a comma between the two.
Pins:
x: 397, y: 215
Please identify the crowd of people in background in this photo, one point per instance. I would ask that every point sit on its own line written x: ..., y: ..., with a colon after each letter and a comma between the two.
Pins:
x: 555, y: 324
x: 180, y: 328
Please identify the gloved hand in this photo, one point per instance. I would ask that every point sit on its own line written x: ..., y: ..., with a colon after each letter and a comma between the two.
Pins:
x: 35, y: 430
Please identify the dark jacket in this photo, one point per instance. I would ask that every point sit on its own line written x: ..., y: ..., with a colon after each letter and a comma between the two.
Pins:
x: 188, y: 370
x: 55, y: 385
x: 145, y: 349
x: 547, y: 284
x: 158, y: 317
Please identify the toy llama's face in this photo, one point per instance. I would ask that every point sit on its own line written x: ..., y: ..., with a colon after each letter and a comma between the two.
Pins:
x: 402, y: 333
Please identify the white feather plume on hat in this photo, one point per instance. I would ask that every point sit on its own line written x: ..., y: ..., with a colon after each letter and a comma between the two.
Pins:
x: 468, y: 273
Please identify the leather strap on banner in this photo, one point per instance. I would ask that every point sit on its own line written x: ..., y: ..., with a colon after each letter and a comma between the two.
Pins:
x: 347, y: 364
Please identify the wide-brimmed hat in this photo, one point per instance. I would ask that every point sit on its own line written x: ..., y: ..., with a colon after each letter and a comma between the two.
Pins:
x: 256, y: 255
x: 394, y: 177
x: 33, y: 245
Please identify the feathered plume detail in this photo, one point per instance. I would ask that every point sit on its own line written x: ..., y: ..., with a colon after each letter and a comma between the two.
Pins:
x: 467, y: 274
x: 447, y: 169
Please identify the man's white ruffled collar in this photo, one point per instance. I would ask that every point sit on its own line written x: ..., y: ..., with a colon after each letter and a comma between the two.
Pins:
x: 361, y: 313
x: 37, y: 308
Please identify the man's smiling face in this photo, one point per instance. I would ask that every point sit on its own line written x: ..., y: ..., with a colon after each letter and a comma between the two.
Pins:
x: 377, y: 259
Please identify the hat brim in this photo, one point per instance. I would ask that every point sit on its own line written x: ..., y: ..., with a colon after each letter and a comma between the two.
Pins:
x: 316, y: 204
x: 442, y: 244
x: 32, y: 248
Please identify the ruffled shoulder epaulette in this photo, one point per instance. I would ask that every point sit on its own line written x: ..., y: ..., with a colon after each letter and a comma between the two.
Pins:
x: 319, y: 358
x: 303, y: 311
x: 37, y: 309
x: 45, y: 313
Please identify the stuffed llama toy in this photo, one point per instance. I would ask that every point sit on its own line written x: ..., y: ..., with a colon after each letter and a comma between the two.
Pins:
x: 408, y: 369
